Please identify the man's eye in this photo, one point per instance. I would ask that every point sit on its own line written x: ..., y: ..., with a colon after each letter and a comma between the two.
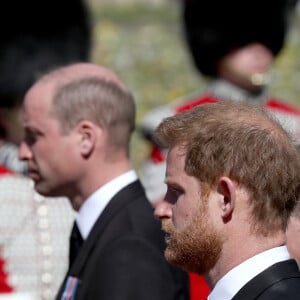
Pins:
x: 30, y: 138
x: 172, y: 195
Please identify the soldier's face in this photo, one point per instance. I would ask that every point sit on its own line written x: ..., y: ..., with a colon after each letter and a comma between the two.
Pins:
x: 247, y: 66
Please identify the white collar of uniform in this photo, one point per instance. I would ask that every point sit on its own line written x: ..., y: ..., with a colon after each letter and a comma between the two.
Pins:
x: 95, y: 204
x: 236, y: 278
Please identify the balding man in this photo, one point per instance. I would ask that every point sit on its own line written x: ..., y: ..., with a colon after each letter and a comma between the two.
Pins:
x: 78, y: 121
x: 233, y: 180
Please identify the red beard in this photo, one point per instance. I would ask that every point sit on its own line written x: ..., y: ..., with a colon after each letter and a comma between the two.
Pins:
x: 196, y: 248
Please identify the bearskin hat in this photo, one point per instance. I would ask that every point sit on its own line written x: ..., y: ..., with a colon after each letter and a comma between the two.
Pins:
x: 36, y: 36
x: 214, y: 27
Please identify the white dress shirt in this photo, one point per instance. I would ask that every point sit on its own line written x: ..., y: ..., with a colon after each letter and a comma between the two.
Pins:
x: 96, y: 203
x: 236, y: 278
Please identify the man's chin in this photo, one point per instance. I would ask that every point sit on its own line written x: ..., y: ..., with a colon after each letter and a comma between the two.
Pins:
x: 176, y: 260
x: 35, y: 177
x: 182, y: 263
x: 41, y: 189
x: 172, y: 256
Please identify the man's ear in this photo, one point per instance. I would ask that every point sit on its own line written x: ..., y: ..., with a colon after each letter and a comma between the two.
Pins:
x: 87, y: 133
x: 227, y: 189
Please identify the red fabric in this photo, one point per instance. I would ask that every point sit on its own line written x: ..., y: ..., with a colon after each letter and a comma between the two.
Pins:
x: 203, y: 99
x: 4, y: 170
x: 157, y: 156
x: 199, y: 289
x: 275, y: 104
x: 4, y: 286
x: 272, y: 103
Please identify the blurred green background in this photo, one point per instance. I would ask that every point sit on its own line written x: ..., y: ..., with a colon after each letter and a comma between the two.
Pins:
x: 143, y: 43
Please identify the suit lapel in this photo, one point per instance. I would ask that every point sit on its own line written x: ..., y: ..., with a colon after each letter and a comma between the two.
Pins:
x: 117, y: 203
x: 279, y: 271
x: 128, y: 194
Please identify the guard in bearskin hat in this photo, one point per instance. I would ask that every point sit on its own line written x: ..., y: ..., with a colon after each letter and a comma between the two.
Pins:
x: 36, y: 36
x: 39, y: 36
x: 233, y: 44
x: 215, y: 28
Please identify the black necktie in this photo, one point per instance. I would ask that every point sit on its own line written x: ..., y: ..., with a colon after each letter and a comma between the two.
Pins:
x: 76, y: 241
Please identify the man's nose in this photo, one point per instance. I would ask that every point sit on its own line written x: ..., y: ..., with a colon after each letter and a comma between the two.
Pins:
x: 24, y: 151
x: 163, y: 210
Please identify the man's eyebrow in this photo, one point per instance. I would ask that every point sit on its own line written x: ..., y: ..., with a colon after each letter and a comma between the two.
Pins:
x: 30, y: 129
x: 172, y: 184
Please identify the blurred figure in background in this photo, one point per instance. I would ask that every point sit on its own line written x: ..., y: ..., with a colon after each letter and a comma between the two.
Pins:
x: 34, y: 234
x: 236, y: 64
x: 45, y: 34
x: 234, y: 45
x: 34, y: 231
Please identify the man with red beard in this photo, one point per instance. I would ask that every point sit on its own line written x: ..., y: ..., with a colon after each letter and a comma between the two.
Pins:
x: 232, y: 182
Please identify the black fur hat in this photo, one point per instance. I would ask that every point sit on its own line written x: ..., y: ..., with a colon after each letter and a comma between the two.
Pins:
x: 36, y: 36
x: 214, y: 27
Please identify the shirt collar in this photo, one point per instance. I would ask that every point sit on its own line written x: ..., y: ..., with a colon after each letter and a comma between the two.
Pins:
x: 236, y: 278
x: 96, y: 203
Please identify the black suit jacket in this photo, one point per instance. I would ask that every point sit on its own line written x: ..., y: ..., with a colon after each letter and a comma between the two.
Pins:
x: 122, y: 258
x: 281, y: 281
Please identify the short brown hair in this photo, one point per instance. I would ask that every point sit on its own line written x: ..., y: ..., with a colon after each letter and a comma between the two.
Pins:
x: 102, y: 101
x: 241, y: 141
